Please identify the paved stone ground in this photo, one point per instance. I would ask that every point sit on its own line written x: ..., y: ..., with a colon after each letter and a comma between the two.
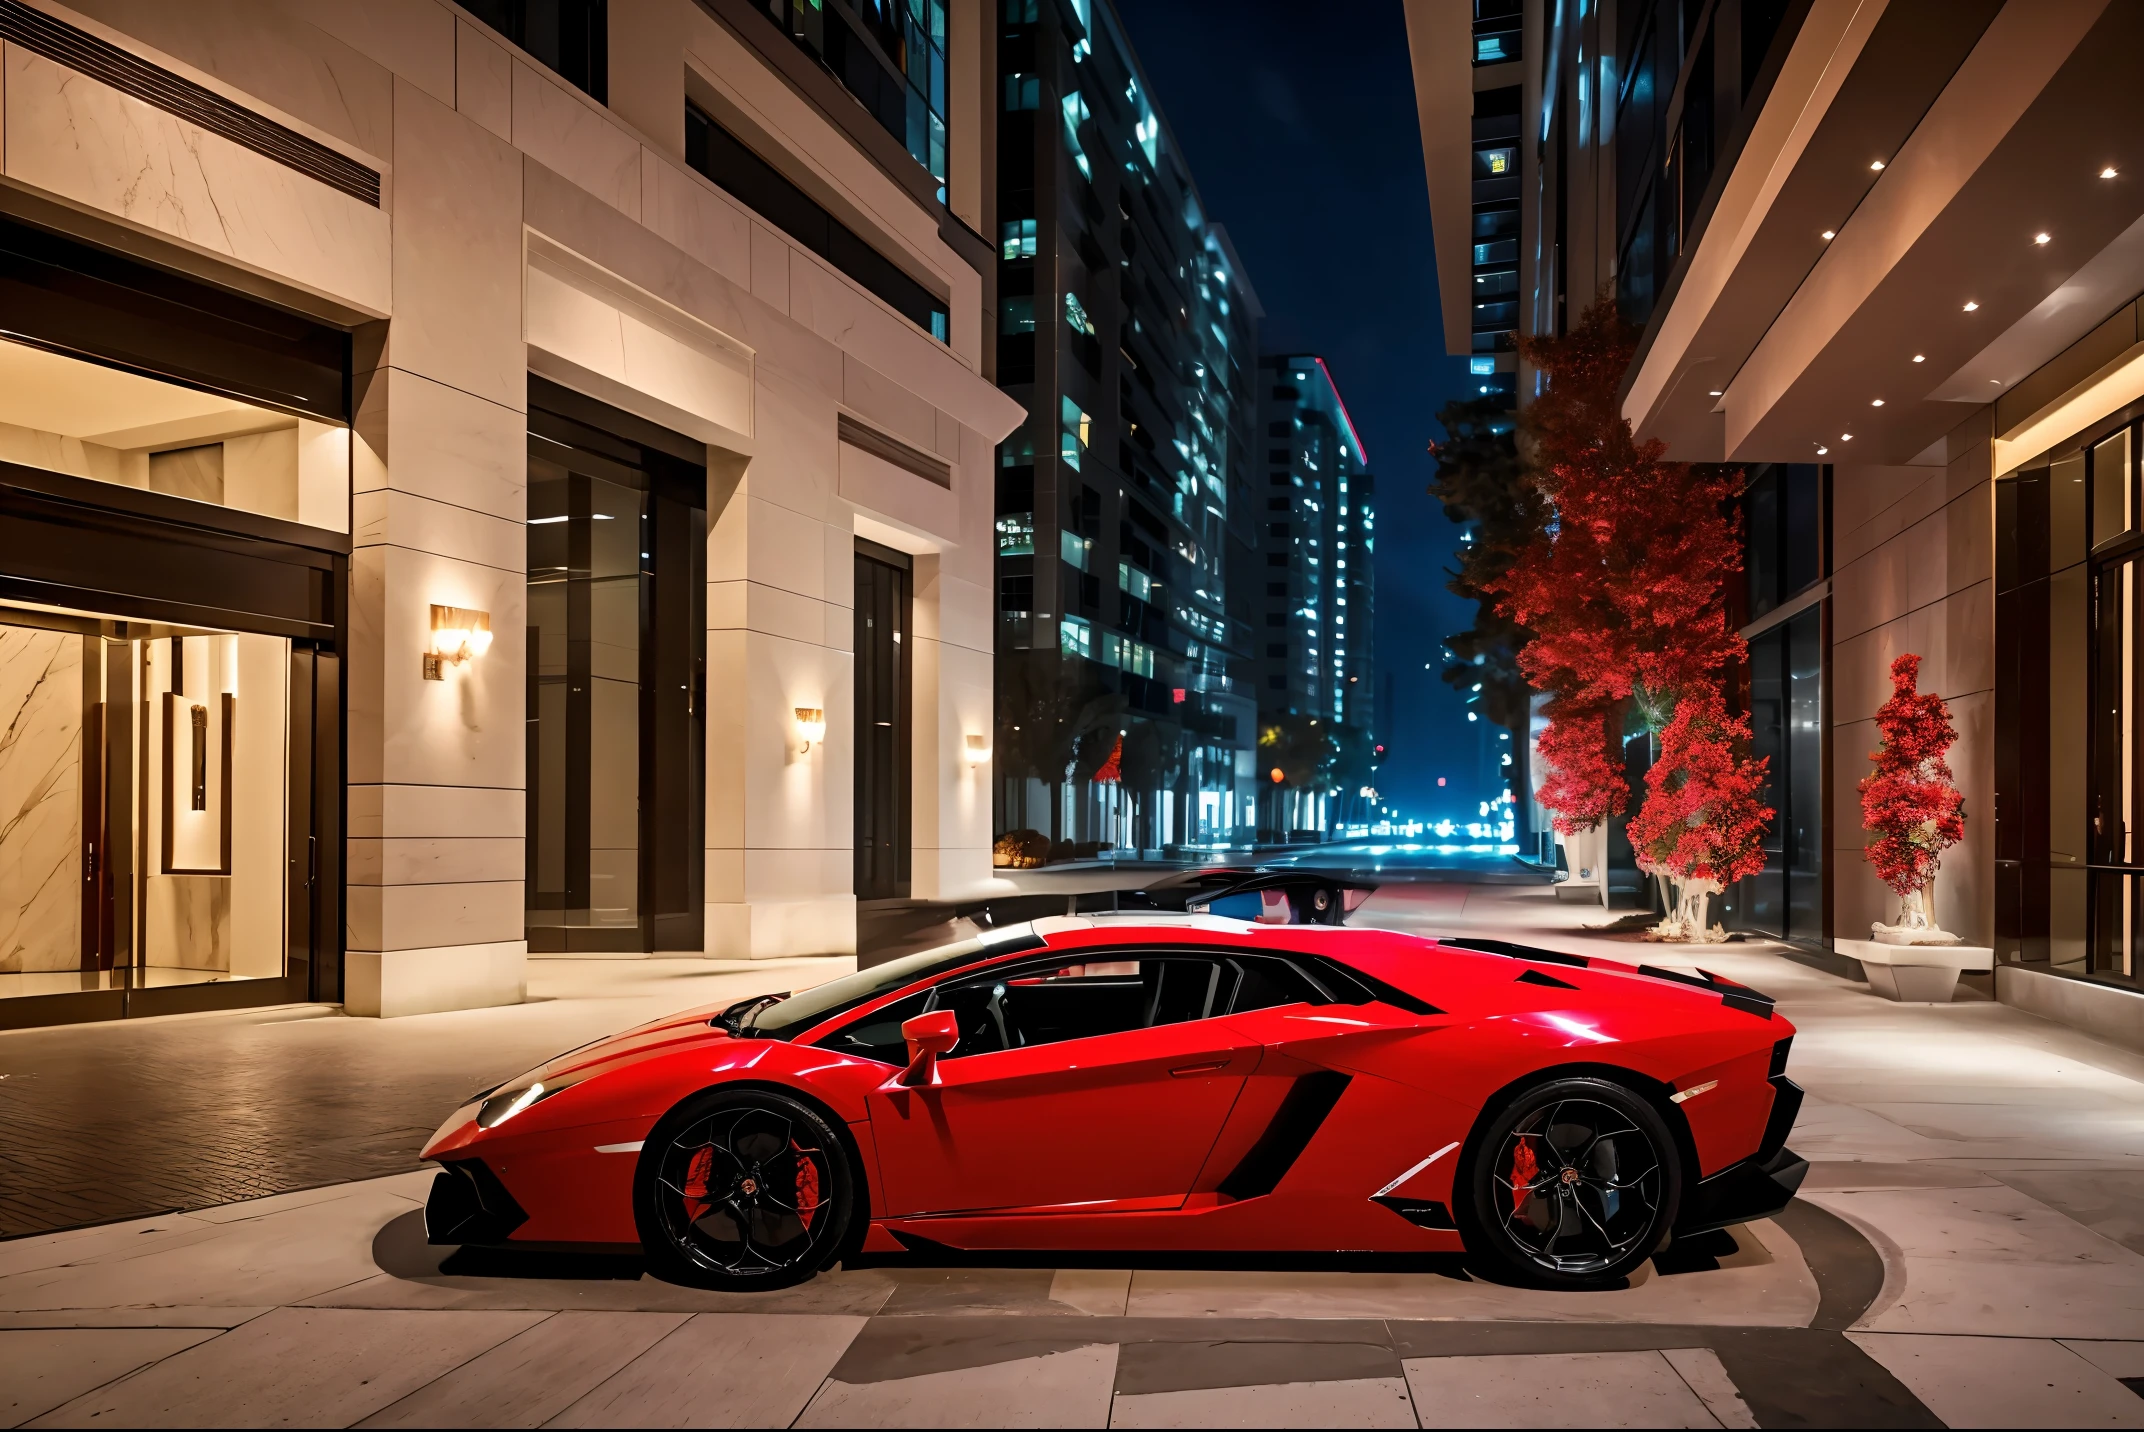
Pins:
x: 1969, y: 1252
x: 99, y: 1122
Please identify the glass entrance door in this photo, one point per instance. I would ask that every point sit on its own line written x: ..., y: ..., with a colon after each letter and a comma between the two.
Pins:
x: 882, y: 723
x: 617, y: 532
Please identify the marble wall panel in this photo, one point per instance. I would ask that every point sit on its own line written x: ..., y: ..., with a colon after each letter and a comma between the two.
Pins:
x: 465, y: 730
x: 700, y: 219
x: 40, y: 800
x: 897, y: 495
x: 888, y: 406
x: 457, y: 253
x: 770, y: 267
x: 413, y: 38
x: 186, y: 922
x: 259, y: 53
x: 444, y: 444
x: 88, y: 144
x: 484, y: 79
x: 392, y: 518
x: 1949, y: 548
x: 638, y: 346
x: 416, y: 917
x: 570, y: 134
x: 406, y: 811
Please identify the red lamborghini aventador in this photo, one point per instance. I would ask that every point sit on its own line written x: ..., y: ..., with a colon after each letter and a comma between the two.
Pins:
x: 1146, y: 1080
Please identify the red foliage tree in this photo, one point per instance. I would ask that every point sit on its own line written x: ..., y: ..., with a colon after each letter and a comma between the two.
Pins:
x: 1622, y: 589
x: 1909, y: 802
x: 1584, y: 784
x: 1702, y: 819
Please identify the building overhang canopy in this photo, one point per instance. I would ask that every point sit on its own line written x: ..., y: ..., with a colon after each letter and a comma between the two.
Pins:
x: 1936, y: 199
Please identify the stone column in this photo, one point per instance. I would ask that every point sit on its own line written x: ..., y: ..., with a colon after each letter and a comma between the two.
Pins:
x: 436, y: 767
x: 781, y: 576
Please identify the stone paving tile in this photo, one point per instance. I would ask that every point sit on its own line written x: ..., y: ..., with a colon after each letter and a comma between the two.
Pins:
x: 44, y: 1367
x: 1596, y: 1389
x: 311, y: 1367
x: 1353, y: 1402
x: 532, y: 1377
x: 719, y: 1370
x: 2004, y: 1381
x: 1056, y: 1389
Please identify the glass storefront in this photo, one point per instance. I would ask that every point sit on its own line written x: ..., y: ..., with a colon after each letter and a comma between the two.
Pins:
x: 617, y: 534
x: 174, y: 513
x: 1785, y: 608
x: 2068, y: 616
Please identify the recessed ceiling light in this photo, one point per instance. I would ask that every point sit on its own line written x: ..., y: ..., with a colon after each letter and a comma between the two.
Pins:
x: 1821, y: 449
x: 2041, y: 238
x: 1875, y: 164
x: 1876, y: 402
x: 1831, y: 234
x: 2107, y: 173
x: 1970, y: 305
x: 1920, y: 357
x: 1715, y: 392
x: 1996, y: 381
x: 1846, y: 437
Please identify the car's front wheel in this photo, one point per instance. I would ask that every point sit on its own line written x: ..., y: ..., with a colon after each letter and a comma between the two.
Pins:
x: 743, y: 1190
x: 1573, y: 1184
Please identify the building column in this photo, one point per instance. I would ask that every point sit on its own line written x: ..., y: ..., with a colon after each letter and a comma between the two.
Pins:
x: 437, y: 796
x: 781, y: 578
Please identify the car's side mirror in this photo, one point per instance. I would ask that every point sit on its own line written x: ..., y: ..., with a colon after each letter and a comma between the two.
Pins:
x: 928, y: 1036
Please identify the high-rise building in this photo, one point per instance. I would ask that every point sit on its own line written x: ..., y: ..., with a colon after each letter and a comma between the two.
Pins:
x: 1880, y: 259
x: 1314, y: 586
x: 1128, y: 328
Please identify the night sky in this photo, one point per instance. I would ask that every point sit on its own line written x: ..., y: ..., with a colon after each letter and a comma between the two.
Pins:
x: 1298, y: 125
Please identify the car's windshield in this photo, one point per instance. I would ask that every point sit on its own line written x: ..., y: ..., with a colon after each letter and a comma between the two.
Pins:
x: 787, y: 1018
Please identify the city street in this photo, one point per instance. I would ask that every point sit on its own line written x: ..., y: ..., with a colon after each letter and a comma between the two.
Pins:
x: 1969, y: 1251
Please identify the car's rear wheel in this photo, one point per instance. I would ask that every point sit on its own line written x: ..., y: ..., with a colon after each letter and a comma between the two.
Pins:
x: 1573, y: 1184
x: 743, y: 1190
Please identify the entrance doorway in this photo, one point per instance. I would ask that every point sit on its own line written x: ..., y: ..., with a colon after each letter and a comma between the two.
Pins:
x: 617, y: 533
x: 884, y: 579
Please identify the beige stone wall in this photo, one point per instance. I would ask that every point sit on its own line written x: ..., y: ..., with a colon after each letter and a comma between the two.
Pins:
x: 1913, y: 569
x: 524, y: 226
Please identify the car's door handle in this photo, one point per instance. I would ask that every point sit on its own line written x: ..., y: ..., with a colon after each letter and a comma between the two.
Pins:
x: 1185, y: 1071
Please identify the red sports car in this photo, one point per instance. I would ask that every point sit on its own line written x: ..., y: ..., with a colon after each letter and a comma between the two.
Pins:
x: 1147, y: 1080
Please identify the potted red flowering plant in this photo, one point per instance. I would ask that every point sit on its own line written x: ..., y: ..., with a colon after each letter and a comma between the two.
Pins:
x: 1702, y: 825
x: 1910, y: 805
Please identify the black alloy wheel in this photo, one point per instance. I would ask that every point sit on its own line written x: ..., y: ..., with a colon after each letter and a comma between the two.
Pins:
x: 743, y: 1190
x: 1574, y: 1184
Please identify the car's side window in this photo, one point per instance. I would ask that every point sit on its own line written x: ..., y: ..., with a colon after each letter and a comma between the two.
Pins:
x: 878, y: 1035
x: 1033, y: 1003
x: 1268, y: 982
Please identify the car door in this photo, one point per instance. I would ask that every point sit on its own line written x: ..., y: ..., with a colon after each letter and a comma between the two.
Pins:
x: 1092, y: 1078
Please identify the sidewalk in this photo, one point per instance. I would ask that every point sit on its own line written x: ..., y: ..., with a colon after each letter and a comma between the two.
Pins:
x: 105, y: 1121
x: 1970, y: 1251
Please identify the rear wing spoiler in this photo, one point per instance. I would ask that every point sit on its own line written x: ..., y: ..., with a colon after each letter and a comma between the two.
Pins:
x: 1274, y: 897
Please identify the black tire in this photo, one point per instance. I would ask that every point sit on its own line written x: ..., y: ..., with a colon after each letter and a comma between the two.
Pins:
x: 1573, y: 1184
x: 743, y: 1190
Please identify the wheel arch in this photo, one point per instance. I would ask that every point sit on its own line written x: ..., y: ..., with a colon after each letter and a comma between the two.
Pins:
x: 1644, y: 1085
x: 859, y: 1167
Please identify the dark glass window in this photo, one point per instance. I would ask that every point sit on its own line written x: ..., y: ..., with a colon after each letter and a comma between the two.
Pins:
x: 1782, y: 534
x: 572, y: 37
x: 719, y: 155
x: 890, y: 54
x: 1786, y: 717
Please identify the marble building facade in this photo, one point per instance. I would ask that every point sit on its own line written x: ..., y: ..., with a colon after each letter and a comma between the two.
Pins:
x: 523, y: 227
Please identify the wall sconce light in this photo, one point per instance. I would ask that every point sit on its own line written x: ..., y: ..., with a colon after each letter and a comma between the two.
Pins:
x: 978, y: 749
x: 458, y: 633
x: 811, y: 725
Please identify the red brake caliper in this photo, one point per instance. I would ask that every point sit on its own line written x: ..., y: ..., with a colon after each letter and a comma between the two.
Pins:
x: 697, y: 1174
x: 1523, y: 1169
x: 807, y: 1184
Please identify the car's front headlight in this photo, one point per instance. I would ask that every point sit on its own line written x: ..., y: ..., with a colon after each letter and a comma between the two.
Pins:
x: 510, y: 1099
